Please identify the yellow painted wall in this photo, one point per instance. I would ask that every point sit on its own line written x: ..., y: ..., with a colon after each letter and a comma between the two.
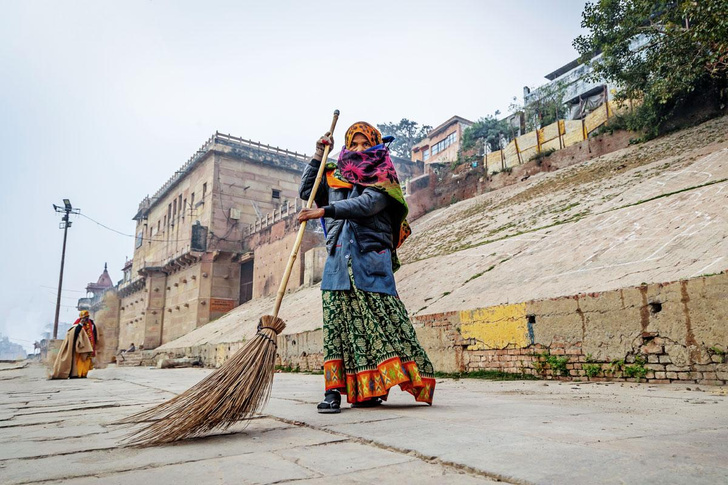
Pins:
x: 496, y: 327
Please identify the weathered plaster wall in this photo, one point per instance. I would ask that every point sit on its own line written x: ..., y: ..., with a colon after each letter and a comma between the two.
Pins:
x: 678, y: 329
x: 244, y: 185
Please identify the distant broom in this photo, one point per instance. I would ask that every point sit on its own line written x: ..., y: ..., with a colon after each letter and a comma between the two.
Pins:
x: 238, y: 389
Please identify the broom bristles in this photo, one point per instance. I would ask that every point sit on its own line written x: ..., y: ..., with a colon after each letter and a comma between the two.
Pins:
x: 234, y: 392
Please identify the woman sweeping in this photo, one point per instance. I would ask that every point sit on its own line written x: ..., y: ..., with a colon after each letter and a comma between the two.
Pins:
x: 370, y: 345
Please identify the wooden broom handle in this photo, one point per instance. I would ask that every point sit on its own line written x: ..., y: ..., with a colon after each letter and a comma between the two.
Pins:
x: 302, y: 229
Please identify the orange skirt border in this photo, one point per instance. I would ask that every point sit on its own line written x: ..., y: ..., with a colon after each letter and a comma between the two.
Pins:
x: 369, y: 384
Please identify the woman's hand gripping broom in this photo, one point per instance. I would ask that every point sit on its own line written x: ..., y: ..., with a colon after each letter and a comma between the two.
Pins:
x: 239, y: 388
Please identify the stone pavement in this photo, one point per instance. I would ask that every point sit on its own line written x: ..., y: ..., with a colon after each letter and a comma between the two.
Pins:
x: 477, y: 432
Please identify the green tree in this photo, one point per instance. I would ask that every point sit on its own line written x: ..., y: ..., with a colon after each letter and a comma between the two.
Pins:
x: 406, y: 134
x: 663, y: 52
x: 547, y: 108
x: 486, y: 132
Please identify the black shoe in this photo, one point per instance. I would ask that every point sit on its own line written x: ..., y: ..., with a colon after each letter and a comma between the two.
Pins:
x: 331, y: 403
x: 369, y: 403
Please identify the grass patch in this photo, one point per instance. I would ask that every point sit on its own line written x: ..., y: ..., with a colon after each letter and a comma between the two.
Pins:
x: 555, y: 363
x: 478, y: 275
x: 636, y: 370
x: 570, y: 206
x: 491, y: 375
x: 615, y: 367
x: 592, y: 370
x: 668, y: 194
x: 297, y: 370
x: 288, y: 368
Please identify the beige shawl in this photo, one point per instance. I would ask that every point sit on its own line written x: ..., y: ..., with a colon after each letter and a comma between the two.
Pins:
x: 65, y: 365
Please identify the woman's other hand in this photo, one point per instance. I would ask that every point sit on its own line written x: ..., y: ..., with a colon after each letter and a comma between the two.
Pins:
x: 308, y: 214
x: 327, y: 139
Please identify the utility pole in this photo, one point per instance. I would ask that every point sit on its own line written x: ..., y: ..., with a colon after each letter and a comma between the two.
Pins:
x: 66, y: 210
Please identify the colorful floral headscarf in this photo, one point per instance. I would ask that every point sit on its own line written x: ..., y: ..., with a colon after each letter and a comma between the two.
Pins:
x: 373, y: 135
x: 372, y: 168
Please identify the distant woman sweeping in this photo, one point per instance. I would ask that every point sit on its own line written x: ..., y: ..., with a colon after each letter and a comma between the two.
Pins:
x: 370, y: 345
x: 77, y: 350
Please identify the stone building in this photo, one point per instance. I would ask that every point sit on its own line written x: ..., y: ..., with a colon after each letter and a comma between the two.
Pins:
x: 442, y: 142
x: 189, y: 265
x: 215, y: 235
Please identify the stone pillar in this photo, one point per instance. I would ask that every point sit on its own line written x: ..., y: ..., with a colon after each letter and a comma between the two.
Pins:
x: 106, y: 317
x: 154, y: 313
x: 314, y: 260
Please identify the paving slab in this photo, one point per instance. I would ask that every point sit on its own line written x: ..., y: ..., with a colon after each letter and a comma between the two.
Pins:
x: 70, y: 436
x: 533, y: 431
x: 476, y: 432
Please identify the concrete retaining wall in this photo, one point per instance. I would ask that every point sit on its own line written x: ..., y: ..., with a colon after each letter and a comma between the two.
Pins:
x: 661, y: 333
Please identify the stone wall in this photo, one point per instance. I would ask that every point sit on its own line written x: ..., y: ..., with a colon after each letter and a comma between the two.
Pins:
x: 271, y: 248
x: 131, y: 319
x: 181, y: 307
x: 314, y: 261
x: 659, y: 333
x: 106, y: 317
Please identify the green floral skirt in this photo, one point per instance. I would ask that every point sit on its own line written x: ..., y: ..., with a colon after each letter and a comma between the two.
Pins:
x: 370, y: 346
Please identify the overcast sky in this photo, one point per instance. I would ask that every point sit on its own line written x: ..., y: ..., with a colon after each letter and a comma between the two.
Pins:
x: 100, y: 102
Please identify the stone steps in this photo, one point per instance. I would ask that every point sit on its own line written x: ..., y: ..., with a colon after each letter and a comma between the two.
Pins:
x: 133, y: 359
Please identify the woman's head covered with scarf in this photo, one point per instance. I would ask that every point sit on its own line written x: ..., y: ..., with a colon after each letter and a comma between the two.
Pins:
x: 365, y: 161
x: 372, y: 135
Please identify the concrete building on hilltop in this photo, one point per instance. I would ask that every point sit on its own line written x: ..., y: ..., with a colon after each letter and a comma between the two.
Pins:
x: 189, y: 266
x: 442, y: 142
x: 581, y: 93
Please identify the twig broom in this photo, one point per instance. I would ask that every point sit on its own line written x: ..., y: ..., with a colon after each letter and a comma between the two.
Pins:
x: 239, y: 388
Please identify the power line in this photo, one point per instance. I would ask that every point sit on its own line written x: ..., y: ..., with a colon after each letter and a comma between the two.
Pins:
x: 56, y: 289
x: 107, y: 227
x: 75, y: 298
x: 19, y: 339
x: 132, y: 235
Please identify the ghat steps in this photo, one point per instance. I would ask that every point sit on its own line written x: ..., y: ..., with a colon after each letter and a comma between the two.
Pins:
x: 652, y: 212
